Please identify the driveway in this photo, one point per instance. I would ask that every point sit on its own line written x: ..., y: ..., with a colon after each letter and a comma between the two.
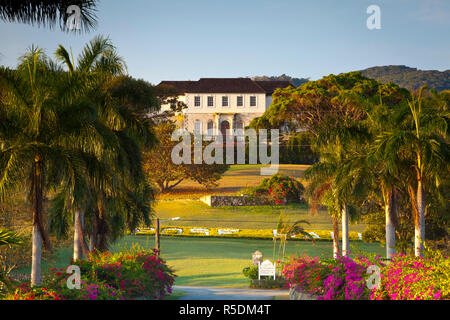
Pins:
x: 216, y: 293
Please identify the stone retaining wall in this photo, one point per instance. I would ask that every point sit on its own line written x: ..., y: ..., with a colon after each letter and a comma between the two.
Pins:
x: 236, y: 201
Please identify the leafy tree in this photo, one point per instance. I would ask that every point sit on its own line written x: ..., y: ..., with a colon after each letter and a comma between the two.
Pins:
x: 48, y: 13
x: 47, y: 126
x: 112, y: 191
x: 420, y: 138
x: 161, y: 170
x: 295, y: 81
x: 335, y: 111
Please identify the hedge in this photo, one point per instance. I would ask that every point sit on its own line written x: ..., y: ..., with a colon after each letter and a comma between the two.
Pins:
x: 185, y: 231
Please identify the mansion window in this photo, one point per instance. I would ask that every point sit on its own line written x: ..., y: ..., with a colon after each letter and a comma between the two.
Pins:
x: 240, y: 101
x: 210, y: 101
x: 197, y: 101
x: 197, y: 127
x: 252, y: 101
x: 224, y: 101
x: 210, y: 131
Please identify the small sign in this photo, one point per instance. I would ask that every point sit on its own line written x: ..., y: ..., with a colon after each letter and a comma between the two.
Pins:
x: 266, y: 268
x: 275, y: 232
x: 172, y: 230
x: 204, y: 231
x: 139, y: 230
x: 332, y: 235
x: 360, y: 236
x: 227, y: 231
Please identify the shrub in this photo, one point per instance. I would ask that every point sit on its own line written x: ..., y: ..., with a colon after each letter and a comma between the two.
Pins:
x: 132, y: 274
x: 415, y: 278
x: 405, y: 278
x: 242, y: 233
x: 279, y: 189
x: 347, y: 278
x: 306, y: 274
x: 251, y: 272
x: 59, y: 291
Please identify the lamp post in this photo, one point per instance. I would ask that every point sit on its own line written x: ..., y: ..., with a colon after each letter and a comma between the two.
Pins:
x: 157, y: 241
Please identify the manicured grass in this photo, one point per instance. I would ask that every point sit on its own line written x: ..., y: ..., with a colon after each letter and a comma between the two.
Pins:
x: 236, y: 178
x: 212, y: 262
x: 197, y: 214
x: 219, y: 262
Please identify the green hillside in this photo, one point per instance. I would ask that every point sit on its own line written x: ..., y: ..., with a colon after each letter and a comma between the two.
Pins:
x: 410, y: 78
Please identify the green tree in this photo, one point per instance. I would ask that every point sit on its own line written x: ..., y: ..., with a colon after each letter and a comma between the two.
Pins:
x: 48, y: 13
x: 113, y: 192
x: 421, y: 139
x: 48, y: 125
x: 167, y: 175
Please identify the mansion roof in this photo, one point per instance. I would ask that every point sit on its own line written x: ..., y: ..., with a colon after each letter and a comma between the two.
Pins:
x: 226, y: 85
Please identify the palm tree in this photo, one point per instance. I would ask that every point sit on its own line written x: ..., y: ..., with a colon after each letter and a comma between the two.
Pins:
x: 121, y: 196
x: 49, y: 124
x: 97, y: 63
x: 48, y: 13
x: 421, y: 139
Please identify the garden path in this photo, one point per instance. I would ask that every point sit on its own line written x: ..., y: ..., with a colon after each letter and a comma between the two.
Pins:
x: 216, y: 293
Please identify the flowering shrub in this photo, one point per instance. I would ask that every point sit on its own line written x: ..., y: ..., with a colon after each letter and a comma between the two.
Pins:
x: 405, y: 278
x: 306, y: 274
x: 106, y: 276
x: 136, y: 272
x: 279, y: 189
x: 411, y: 278
x: 347, y: 279
x: 59, y: 291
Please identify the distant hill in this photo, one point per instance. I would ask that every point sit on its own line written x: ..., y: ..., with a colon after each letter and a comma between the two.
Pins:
x: 295, y: 81
x: 406, y: 77
x: 410, y: 78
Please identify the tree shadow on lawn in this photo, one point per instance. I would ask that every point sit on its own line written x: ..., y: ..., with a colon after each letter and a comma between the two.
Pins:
x: 213, y: 280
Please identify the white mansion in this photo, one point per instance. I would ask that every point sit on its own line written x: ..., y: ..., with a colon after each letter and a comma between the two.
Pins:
x: 215, y: 104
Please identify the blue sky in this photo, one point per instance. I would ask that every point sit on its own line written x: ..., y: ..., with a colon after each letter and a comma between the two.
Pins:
x: 189, y: 39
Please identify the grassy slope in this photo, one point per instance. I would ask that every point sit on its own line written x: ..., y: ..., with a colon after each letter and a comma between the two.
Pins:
x: 236, y: 178
x: 196, y: 213
x: 213, y: 262
x: 218, y: 262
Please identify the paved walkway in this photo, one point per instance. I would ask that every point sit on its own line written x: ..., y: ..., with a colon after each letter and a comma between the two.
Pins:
x: 216, y: 293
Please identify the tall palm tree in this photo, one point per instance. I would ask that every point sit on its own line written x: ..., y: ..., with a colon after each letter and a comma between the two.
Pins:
x: 49, y: 124
x: 48, y: 13
x: 96, y: 64
x: 122, y: 196
x: 319, y: 192
x: 421, y: 139
x: 327, y: 187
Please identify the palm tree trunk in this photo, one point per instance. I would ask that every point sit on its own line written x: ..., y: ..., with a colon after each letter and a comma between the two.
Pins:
x: 419, y: 230
x: 36, y: 256
x: 335, y: 237
x: 77, y: 237
x: 390, y: 226
x: 39, y: 235
x: 345, y: 244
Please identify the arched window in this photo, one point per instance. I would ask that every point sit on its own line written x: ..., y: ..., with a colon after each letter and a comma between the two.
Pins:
x: 197, y: 127
x: 210, y: 128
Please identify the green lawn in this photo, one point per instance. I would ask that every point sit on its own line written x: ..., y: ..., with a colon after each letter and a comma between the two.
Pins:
x: 236, y: 178
x: 197, y: 214
x: 212, y: 262
x: 219, y: 262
